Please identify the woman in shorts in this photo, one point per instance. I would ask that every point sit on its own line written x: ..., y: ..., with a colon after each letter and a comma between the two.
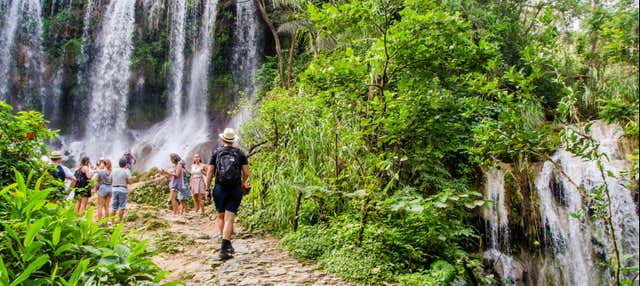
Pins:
x: 176, y: 176
x: 104, y: 189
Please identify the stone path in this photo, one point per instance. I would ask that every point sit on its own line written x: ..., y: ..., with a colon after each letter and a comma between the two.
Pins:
x: 188, y: 248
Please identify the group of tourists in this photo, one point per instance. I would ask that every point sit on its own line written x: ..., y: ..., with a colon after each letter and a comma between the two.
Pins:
x: 231, y: 168
x: 110, y: 183
x: 228, y: 163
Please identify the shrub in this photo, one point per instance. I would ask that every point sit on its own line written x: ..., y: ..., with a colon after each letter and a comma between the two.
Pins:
x: 22, y: 137
x: 155, y: 193
x: 45, y: 243
x: 309, y: 242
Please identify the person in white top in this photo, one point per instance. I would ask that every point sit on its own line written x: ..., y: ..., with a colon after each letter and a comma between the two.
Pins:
x: 197, y: 185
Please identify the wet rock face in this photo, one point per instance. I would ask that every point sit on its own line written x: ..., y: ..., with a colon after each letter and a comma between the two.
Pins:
x: 506, y: 268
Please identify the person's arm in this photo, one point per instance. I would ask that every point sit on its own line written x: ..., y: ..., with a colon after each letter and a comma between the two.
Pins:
x: 69, y: 175
x: 245, y: 176
x: 207, y: 180
x: 87, y: 172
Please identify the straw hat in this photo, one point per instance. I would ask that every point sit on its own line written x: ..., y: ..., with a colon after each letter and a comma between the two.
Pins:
x: 228, y: 135
x: 56, y: 155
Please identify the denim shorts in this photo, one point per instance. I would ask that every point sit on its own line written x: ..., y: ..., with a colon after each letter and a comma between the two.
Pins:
x: 104, y: 190
x: 227, y: 198
x: 118, y: 199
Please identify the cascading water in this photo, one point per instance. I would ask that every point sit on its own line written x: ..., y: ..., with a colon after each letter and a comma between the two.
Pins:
x: 580, y: 244
x: 577, y: 247
x: 497, y: 225
x: 107, y: 115
x: 7, y: 42
x: 496, y: 214
x: 22, y: 17
x: 183, y: 131
x: 178, y: 8
x: 246, y: 58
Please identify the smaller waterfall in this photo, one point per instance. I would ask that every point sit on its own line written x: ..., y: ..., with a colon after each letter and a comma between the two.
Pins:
x: 497, y: 224
x: 496, y: 214
x: 245, y: 60
x: 570, y: 245
x: 107, y: 118
x: 580, y: 244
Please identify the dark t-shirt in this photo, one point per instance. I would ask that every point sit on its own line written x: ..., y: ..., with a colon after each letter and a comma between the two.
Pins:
x: 242, y: 158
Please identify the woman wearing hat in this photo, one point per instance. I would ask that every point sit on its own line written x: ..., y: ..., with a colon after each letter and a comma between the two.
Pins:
x: 231, y: 168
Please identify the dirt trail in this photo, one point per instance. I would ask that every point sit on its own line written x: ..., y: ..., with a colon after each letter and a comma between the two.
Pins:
x: 188, y: 248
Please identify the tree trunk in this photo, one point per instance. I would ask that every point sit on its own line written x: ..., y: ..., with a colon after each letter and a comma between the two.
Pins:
x: 297, y: 213
x: 292, y: 46
x: 363, y: 220
x: 276, y: 39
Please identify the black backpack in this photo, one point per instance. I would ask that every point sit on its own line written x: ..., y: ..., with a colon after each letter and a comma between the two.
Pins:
x: 228, y: 167
x: 81, y: 179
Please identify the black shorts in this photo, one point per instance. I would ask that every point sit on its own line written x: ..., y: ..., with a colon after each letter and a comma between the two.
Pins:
x: 83, y: 193
x: 227, y: 198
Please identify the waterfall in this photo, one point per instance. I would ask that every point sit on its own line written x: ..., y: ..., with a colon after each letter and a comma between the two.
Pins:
x: 107, y: 115
x: 496, y: 214
x: 580, y: 244
x: 497, y: 224
x: 33, y: 62
x: 7, y: 42
x: 177, y: 56
x: 183, y: 131
x: 86, y: 39
x: 200, y: 63
x: 245, y: 59
x: 22, y: 18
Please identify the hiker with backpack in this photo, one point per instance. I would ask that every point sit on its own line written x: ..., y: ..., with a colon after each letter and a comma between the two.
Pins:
x: 196, y: 184
x: 231, y: 168
x: 177, y: 182
x: 82, y: 188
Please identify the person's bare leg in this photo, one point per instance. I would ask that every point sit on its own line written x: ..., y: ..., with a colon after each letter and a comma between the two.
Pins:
x: 201, y: 199
x: 106, y: 205
x: 113, y: 216
x: 83, y: 205
x: 174, y: 202
x: 120, y: 215
x: 229, y: 217
x: 100, y: 208
x: 220, y: 222
x: 183, y: 207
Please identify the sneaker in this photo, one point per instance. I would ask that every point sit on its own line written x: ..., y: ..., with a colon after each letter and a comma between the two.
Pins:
x: 230, y: 248
x: 224, y: 255
x: 224, y: 250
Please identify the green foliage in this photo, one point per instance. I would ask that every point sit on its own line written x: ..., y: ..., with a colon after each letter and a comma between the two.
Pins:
x: 373, y: 153
x: 22, y: 137
x: 154, y: 193
x: 44, y: 243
